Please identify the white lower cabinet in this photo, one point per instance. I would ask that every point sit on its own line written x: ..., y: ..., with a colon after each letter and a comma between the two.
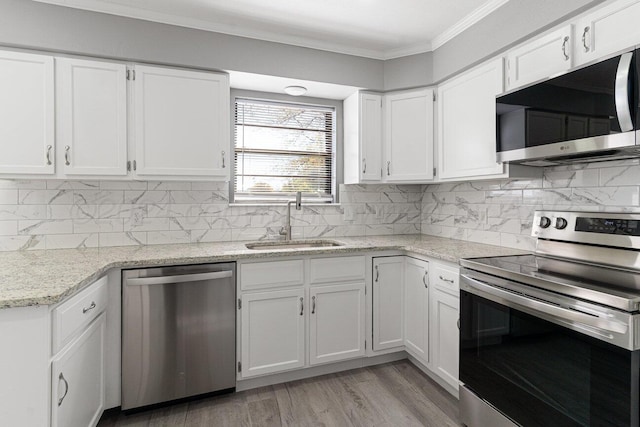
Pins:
x: 388, y: 301
x: 336, y: 323
x: 272, y: 331
x: 444, y: 327
x: 320, y: 320
x: 416, y: 308
x: 77, y: 379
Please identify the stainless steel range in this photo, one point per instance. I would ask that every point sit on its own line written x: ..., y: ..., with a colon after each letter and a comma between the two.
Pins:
x: 553, y: 338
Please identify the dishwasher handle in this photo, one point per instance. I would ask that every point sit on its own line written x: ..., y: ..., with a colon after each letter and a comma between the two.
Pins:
x: 181, y: 278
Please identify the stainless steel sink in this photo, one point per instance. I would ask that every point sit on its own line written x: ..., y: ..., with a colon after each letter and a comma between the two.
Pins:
x: 293, y: 244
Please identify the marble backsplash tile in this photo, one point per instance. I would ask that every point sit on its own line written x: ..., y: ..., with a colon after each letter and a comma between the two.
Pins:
x: 501, y: 212
x: 69, y: 214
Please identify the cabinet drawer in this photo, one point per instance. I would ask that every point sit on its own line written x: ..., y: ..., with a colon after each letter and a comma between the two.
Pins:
x: 340, y: 269
x: 76, y: 313
x: 274, y: 274
x: 446, y: 279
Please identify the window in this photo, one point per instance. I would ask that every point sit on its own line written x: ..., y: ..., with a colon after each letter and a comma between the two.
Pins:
x: 282, y: 148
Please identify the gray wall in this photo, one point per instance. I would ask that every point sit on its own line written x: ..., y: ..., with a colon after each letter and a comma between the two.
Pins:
x: 408, y: 71
x: 511, y: 24
x: 36, y: 25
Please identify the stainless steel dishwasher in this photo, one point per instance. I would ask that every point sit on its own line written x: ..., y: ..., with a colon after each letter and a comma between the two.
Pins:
x: 178, y: 332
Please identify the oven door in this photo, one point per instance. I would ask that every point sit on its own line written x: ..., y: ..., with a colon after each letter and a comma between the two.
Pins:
x: 538, y: 372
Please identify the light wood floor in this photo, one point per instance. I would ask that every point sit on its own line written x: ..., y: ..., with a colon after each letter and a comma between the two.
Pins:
x: 393, y: 394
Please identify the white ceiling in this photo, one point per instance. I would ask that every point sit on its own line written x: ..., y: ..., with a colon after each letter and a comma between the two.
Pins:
x: 380, y: 29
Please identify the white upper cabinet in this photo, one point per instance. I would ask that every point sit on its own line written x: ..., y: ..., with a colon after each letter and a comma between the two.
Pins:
x: 181, y: 123
x: 91, y: 117
x: 467, y: 123
x: 607, y: 30
x: 540, y: 58
x: 27, y: 111
x: 362, y: 138
x: 408, y: 136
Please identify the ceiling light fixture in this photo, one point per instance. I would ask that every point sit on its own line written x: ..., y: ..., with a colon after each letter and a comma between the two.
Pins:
x: 295, y: 90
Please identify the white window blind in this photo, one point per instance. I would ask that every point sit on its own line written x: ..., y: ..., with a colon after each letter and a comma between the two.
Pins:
x: 283, y: 148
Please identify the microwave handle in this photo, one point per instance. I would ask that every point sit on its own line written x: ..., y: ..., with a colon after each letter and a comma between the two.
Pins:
x: 622, y: 92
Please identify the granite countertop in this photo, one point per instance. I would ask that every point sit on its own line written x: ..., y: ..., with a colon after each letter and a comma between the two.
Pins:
x: 45, y: 277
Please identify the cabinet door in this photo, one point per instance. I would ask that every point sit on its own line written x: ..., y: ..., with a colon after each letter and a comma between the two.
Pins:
x: 272, y: 332
x: 416, y: 308
x: 181, y: 123
x: 371, y: 137
x: 77, y: 380
x: 362, y: 138
x: 388, y: 301
x: 607, y: 30
x: 92, y: 117
x: 467, y: 123
x: 540, y: 58
x: 445, y: 335
x: 408, y: 120
x: 336, y: 323
x: 27, y: 112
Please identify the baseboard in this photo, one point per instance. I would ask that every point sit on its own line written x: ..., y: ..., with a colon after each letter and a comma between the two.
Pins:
x: 315, y: 371
x: 442, y: 383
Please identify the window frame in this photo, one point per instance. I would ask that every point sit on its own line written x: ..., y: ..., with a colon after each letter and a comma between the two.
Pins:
x: 336, y: 144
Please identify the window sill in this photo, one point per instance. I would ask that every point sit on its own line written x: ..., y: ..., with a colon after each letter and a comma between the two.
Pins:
x: 233, y: 205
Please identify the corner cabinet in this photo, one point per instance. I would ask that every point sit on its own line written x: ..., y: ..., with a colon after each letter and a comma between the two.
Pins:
x: 363, y: 138
x: 467, y: 123
x: 27, y: 134
x: 181, y: 123
x: 408, y: 136
x: 466, y: 136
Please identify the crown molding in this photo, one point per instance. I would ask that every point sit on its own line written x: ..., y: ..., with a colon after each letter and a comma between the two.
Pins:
x: 305, y: 42
x: 466, y: 22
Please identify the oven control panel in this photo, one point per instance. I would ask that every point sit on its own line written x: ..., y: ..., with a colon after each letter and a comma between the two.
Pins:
x: 612, y: 229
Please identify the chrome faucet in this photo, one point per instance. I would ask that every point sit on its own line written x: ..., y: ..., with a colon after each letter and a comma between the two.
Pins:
x: 286, y: 230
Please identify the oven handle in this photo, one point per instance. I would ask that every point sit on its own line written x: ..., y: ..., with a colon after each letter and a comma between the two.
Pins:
x: 513, y: 300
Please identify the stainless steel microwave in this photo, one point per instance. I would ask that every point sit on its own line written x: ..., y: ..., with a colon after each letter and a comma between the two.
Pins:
x: 590, y: 114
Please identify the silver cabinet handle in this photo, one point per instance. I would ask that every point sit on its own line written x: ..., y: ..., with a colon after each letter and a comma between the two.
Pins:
x: 377, y: 273
x: 444, y: 279
x: 48, y: 155
x: 584, y: 39
x: 425, y: 279
x: 621, y: 92
x: 564, y: 48
x: 313, y: 305
x: 301, y: 306
x: 66, y: 155
x: 91, y: 307
x: 364, y: 166
x: 458, y: 323
x: 388, y: 168
x: 66, y: 388
x: 223, y: 165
